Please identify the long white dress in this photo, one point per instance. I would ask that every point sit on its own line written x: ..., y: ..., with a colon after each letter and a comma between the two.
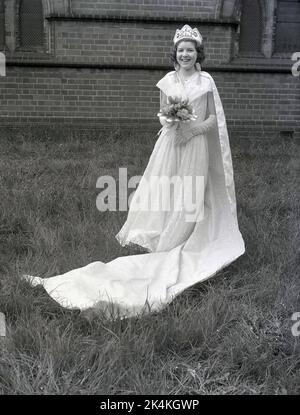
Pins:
x: 181, y: 252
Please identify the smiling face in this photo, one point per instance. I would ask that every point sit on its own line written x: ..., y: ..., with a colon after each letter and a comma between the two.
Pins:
x: 186, y: 54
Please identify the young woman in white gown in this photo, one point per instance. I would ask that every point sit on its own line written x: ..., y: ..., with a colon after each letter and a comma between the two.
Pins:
x: 184, y: 246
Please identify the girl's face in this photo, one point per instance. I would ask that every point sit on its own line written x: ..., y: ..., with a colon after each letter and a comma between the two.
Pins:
x: 186, y: 54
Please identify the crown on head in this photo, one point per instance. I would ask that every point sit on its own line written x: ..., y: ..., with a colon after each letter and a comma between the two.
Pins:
x: 186, y: 32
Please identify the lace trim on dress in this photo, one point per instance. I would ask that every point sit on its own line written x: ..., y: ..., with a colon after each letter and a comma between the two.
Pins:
x: 134, y: 240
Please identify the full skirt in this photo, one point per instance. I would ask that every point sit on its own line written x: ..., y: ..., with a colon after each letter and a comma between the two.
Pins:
x: 183, y: 247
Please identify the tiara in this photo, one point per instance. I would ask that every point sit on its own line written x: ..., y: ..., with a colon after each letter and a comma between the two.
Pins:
x: 186, y: 32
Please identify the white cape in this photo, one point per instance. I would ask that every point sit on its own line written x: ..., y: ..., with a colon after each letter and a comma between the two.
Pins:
x: 147, y: 282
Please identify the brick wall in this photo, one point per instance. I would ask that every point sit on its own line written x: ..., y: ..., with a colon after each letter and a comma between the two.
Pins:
x: 132, y: 42
x: 106, y: 69
x: 155, y: 8
x: 98, y: 95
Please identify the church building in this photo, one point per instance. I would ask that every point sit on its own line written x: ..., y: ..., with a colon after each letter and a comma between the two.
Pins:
x: 95, y: 63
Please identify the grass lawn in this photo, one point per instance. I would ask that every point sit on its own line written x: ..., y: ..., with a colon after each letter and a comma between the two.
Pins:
x: 229, y: 335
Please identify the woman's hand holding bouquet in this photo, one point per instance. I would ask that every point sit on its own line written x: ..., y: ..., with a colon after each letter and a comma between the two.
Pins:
x: 176, y: 112
x: 180, y: 113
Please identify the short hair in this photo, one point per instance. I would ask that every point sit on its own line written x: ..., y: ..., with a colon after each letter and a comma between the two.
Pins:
x: 199, y: 49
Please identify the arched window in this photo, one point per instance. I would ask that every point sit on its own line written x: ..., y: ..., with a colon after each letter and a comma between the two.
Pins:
x: 287, y: 38
x: 2, y: 25
x: 31, y: 24
x: 227, y: 8
x: 251, y: 27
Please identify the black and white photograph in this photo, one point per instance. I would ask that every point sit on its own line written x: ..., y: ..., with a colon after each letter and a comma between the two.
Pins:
x: 149, y: 213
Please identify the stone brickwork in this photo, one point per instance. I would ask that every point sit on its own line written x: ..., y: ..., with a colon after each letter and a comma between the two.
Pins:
x: 154, y: 8
x: 102, y: 59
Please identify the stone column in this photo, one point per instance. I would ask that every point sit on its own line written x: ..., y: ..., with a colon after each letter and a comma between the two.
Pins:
x: 10, y: 24
x: 269, y: 20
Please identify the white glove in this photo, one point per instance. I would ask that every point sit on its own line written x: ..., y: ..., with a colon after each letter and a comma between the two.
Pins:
x: 185, y: 132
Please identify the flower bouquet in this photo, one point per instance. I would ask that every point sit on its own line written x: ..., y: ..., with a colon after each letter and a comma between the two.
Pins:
x: 177, y: 110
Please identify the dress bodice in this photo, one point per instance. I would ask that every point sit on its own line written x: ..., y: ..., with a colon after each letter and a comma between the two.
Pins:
x: 196, y: 89
x: 200, y: 106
